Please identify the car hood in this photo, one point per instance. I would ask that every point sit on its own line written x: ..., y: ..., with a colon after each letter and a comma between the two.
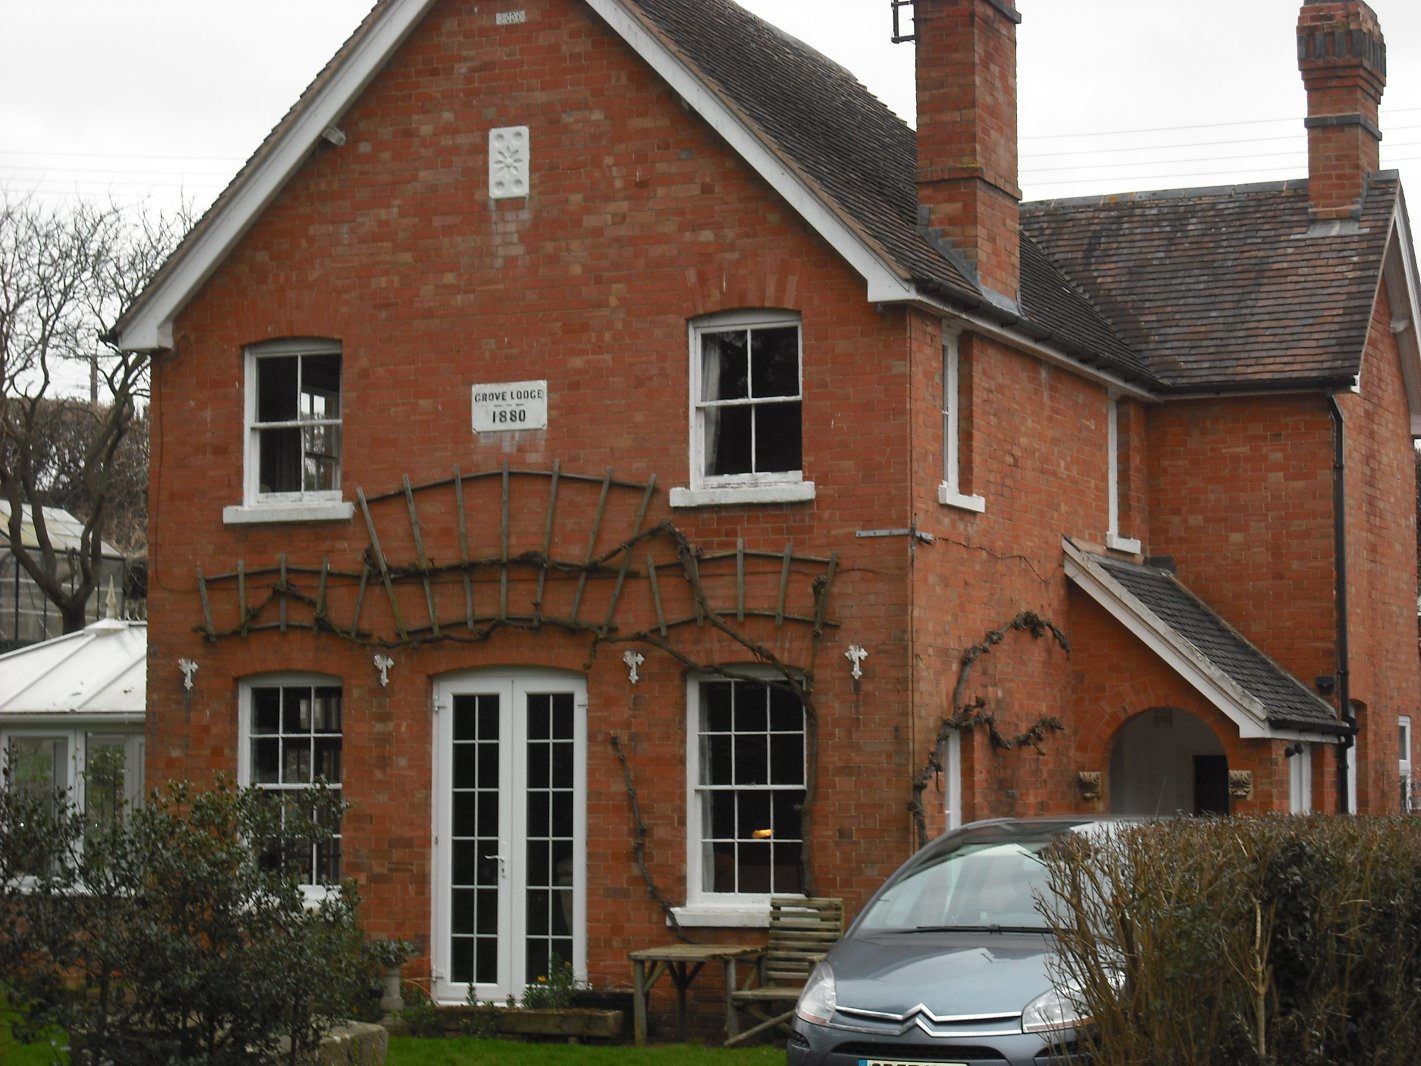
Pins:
x: 952, y: 975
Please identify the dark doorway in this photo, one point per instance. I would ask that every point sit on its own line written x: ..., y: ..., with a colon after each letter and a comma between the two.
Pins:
x: 1211, y: 784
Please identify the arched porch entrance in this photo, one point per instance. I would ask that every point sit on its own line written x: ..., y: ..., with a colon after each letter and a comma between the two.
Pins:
x: 1168, y: 761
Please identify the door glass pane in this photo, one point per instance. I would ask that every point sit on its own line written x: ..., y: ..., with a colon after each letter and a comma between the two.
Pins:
x: 549, y: 848
x: 474, y: 852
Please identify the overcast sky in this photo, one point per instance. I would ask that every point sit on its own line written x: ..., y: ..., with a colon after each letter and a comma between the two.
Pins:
x: 156, y: 98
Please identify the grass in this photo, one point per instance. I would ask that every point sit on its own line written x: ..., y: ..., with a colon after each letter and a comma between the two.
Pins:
x: 461, y: 1051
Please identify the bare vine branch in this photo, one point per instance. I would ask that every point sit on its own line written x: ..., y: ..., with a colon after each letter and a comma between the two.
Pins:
x: 974, y: 714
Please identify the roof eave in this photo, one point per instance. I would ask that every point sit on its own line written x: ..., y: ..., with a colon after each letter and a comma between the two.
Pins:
x: 886, y: 280
x: 1404, y: 294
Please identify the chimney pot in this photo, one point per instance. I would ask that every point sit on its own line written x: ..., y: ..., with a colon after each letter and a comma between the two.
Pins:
x: 1342, y: 58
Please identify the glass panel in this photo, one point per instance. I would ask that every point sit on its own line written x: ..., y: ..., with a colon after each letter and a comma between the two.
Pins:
x: 753, y: 861
x: 562, y: 764
x: 787, y: 758
x: 751, y: 707
x: 328, y: 759
x: 327, y: 710
x: 725, y: 366
x: 276, y: 388
x: 715, y: 705
x: 562, y: 814
x: 266, y: 761
x: 321, y: 458
x: 774, y: 357
x: 296, y: 710
x: 266, y: 710
x: 320, y: 386
x: 461, y: 917
x: 727, y: 443
x: 105, y: 790
x: 464, y: 758
x: 752, y: 759
x: 279, y: 459
x: 563, y: 717
x: 778, y: 442
x: 36, y: 764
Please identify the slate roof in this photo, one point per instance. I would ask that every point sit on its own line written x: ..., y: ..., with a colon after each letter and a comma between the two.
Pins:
x: 1225, y: 287
x: 863, y: 158
x: 1213, y: 289
x: 1285, y: 701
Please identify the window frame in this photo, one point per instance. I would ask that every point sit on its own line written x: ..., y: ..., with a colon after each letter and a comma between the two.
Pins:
x: 1300, y: 780
x: 314, y: 892
x: 1114, y: 538
x: 302, y: 504
x: 1403, y: 736
x: 705, y: 907
x: 778, y: 486
x: 78, y: 738
x: 949, y: 491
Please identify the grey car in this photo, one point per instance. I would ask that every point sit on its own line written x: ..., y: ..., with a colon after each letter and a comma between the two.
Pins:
x: 949, y: 963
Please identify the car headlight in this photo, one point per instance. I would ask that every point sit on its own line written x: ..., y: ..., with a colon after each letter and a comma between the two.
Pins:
x: 1059, y: 1008
x: 820, y: 997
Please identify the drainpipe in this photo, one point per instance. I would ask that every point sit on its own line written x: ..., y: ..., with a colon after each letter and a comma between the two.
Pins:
x: 1339, y: 542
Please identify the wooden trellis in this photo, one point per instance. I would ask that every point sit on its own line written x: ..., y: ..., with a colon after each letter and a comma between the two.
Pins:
x: 783, y: 587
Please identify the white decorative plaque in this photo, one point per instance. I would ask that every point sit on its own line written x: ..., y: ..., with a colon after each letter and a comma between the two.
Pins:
x: 508, y: 162
x: 510, y: 405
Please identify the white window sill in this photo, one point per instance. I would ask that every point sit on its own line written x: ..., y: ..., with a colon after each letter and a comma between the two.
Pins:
x: 790, y: 492
x: 334, y: 511
x: 949, y: 497
x: 1122, y: 544
x: 723, y: 915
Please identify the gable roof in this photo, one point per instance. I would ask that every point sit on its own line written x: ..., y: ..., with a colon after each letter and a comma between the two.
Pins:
x: 1166, y: 292
x: 1226, y: 287
x: 838, y: 155
x: 1261, y: 698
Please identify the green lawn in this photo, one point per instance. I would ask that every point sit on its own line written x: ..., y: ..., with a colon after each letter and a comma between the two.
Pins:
x: 460, y: 1051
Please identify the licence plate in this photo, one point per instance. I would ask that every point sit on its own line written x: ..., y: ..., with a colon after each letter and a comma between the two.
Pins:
x: 906, y: 1062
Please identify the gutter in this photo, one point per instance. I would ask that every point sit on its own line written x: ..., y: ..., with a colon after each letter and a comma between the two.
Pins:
x: 1339, y: 541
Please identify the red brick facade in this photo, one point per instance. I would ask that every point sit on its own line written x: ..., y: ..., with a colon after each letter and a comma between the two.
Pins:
x: 641, y: 220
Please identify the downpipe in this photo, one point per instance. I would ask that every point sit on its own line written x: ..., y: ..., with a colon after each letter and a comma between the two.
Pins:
x: 1339, y: 547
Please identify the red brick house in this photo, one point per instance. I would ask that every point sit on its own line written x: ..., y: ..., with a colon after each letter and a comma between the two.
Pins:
x: 646, y: 476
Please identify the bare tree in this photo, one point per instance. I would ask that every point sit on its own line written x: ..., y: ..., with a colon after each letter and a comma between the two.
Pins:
x: 65, y: 277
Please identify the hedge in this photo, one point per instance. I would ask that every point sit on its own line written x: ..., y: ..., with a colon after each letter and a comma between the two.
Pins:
x: 1271, y: 940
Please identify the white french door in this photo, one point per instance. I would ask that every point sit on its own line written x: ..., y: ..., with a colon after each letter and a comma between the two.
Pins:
x: 510, y: 826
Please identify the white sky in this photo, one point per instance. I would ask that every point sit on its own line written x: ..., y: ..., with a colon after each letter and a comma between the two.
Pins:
x: 157, y: 98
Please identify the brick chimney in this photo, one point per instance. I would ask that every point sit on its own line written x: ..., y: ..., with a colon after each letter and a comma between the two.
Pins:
x: 1342, y: 57
x: 967, y: 149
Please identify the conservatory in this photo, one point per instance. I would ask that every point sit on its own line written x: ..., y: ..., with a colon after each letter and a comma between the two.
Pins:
x: 26, y: 615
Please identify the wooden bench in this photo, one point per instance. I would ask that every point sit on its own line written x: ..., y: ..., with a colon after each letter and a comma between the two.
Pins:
x: 802, y: 930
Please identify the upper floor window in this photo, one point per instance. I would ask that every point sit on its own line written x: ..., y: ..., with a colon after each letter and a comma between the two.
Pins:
x: 747, y: 436
x: 291, y: 739
x: 956, y: 429
x: 1118, y: 441
x: 294, y: 411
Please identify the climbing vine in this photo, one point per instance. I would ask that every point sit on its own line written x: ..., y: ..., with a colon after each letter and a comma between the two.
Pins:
x: 974, y: 714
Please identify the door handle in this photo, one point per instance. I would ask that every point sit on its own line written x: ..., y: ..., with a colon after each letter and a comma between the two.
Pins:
x: 502, y: 866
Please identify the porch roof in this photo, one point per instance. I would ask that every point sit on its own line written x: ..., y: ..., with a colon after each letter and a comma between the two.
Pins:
x: 1252, y: 690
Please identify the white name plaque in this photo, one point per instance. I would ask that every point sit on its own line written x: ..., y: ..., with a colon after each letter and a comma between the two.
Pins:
x: 510, y: 405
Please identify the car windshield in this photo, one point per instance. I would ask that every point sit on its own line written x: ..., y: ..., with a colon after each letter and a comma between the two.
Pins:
x: 993, y: 884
